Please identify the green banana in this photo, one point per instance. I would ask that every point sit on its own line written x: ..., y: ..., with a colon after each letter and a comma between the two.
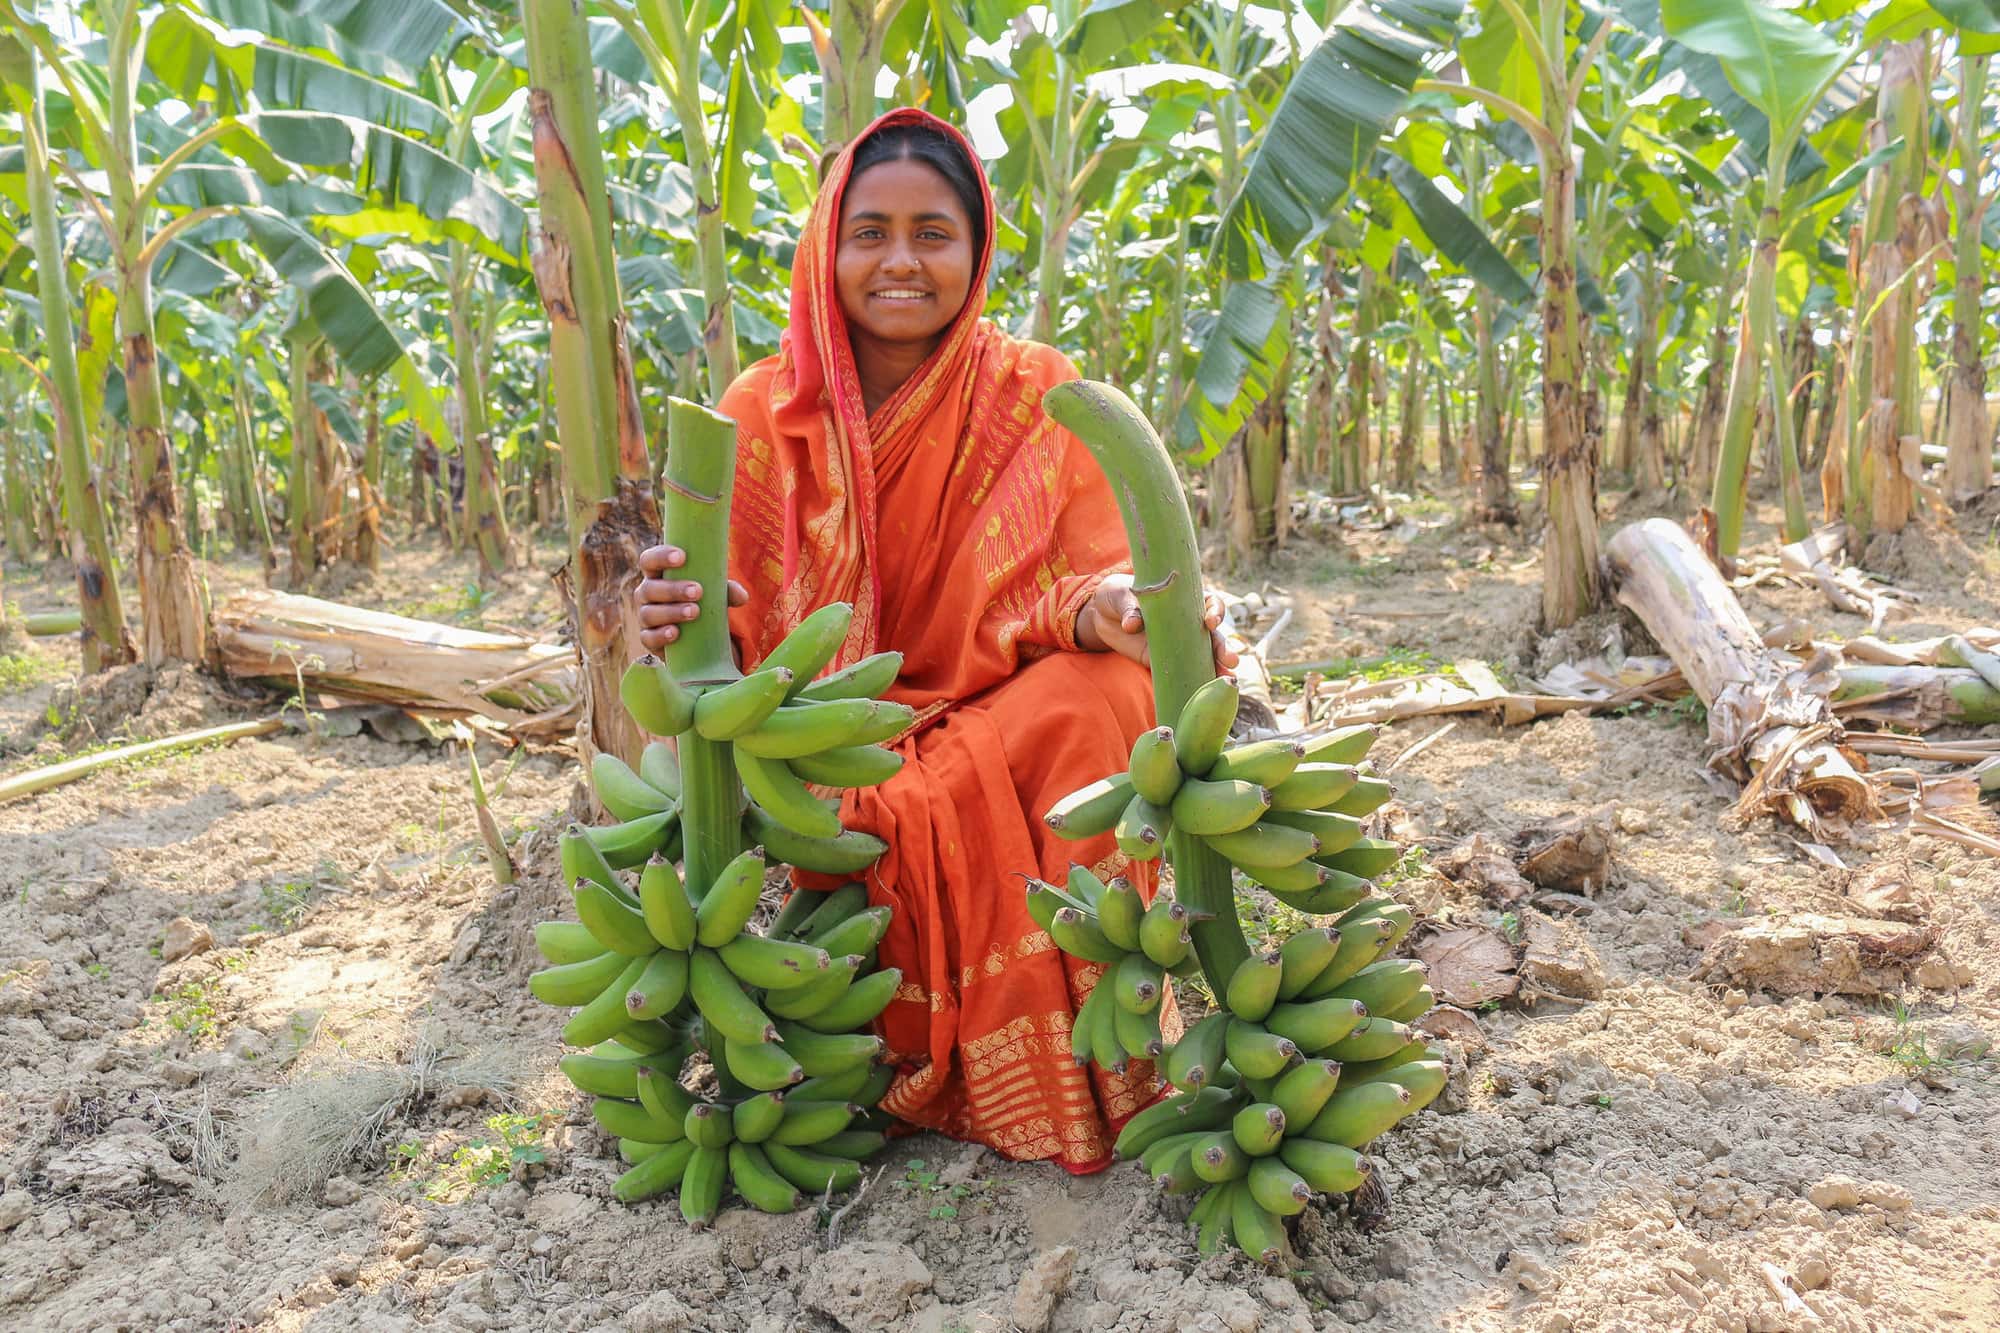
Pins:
x: 630, y: 843
x: 770, y: 964
x: 1136, y: 983
x: 1366, y: 858
x: 806, y: 1123
x: 708, y: 1125
x: 1259, y: 1233
x: 1137, y: 1034
x: 1081, y: 1024
x: 1196, y: 1057
x: 577, y: 983
x: 1367, y: 795
x: 1204, y: 807
x: 1410, y: 1010
x: 1266, y: 763
x: 581, y: 860
x: 854, y: 1145
x: 651, y: 1037
x: 831, y: 908
x: 857, y: 933
x: 1207, y: 1109
x: 811, y: 644
x: 664, y: 904
x: 726, y: 905
x: 601, y: 1076
x: 629, y: 1120
x: 814, y: 1173
x: 876, y: 1086
x: 845, y: 1086
x: 566, y: 941
x: 1329, y: 1168
x: 859, y: 1004
x: 1343, y: 745
x: 604, y: 1016
x: 1255, y: 1052
x: 1119, y: 913
x: 1214, y: 1228
x: 724, y: 712
x: 1253, y: 987
x: 824, y: 1053
x: 776, y: 790
x: 848, y: 766
x: 1312, y: 787
x: 760, y: 1183
x: 1337, y: 891
x: 661, y: 767
x: 1163, y: 931
x: 1386, y: 909
x: 1101, y: 1032
x: 1360, y: 944
x: 1089, y: 811
x: 1044, y: 901
x: 1302, y: 957
x: 1079, y: 936
x: 762, y: 1065
x: 1216, y: 1158
x: 723, y: 1002
x: 660, y: 704
x: 1169, y: 1163
x: 1277, y: 1188
x: 866, y: 679
x: 1258, y: 1128
x: 616, y: 926
x: 1290, y: 881
x: 701, y: 1185
x: 815, y: 996
x: 665, y: 1100
x: 885, y: 722
x: 1317, y: 1024
x: 1422, y: 1079
x: 1353, y: 1116
x: 1264, y: 845
x: 1084, y: 886
x: 660, y: 987
x: 1301, y: 1092
x: 847, y: 854
x: 1336, y: 833
x: 1371, y: 1040
x: 1367, y: 1071
x: 1384, y: 985
x: 1142, y: 829
x: 624, y: 793
x: 808, y: 729
x: 655, y: 1174
x: 1203, y: 726
x: 1156, y: 775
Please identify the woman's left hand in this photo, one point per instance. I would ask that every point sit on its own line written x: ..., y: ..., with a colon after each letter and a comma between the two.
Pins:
x: 1111, y: 621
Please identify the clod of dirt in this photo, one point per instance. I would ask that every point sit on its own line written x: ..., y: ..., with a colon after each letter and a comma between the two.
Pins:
x: 1887, y: 891
x: 1483, y: 866
x: 1817, y: 955
x: 1041, y: 1286
x: 184, y: 939
x: 16, y: 1207
x: 117, y: 1164
x: 661, y: 1312
x: 1469, y: 966
x: 866, y: 1284
x: 1453, y: 1024
x: 1557, y: 958
x: 1571, y: 854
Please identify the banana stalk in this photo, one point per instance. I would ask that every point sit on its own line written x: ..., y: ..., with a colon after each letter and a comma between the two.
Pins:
x: 700, y: 475
x: 1166, y: 574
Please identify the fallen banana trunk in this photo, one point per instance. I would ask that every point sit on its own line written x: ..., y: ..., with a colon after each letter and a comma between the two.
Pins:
x: 1770, y: 721
x: 45, y: 624
x: 293, y: 642
x: 1916, y: 697
x: 70, y: 770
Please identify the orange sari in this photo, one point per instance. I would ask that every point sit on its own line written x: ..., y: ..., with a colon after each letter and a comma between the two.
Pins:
x: 967, y: 530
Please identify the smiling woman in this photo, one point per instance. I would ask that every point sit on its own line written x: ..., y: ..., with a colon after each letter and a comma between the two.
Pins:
x: 894, y: 455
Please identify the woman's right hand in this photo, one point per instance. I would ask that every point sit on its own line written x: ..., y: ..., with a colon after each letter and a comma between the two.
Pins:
x: 666, y: 603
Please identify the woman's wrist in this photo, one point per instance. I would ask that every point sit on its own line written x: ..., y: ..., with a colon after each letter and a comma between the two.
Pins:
x: 1084, y: 631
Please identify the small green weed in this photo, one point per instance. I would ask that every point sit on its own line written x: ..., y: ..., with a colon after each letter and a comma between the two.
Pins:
x: 476, y: 1164
x: 19, y: 671
x: 1914, y: 1050
x: 921, y: 1180
x: 464, y: 605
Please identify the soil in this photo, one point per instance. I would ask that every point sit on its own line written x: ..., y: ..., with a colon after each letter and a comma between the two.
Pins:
x: 1672, y: 1153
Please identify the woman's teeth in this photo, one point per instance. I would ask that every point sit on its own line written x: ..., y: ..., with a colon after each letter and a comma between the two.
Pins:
x: 900, y: 294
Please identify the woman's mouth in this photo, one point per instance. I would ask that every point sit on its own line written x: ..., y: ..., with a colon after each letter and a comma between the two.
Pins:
x: 900, y: 294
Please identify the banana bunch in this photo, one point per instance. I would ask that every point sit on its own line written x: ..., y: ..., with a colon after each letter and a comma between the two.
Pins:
x: 1286, y: 813
x: 789, y: 733
x: 1139, y: 945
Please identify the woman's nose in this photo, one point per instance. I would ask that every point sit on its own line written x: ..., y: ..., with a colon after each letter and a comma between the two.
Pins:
x: 900, y: 259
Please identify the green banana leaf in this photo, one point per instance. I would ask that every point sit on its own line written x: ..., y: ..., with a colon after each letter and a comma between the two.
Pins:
x: 1450, y: 229
x: 1780, y: 63
x: 1239, y: 363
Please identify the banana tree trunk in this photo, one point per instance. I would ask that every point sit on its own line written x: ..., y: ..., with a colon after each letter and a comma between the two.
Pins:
x: 485, y: 519
x: 606, y: 471
x: 850, y: 55
x: 1266, y: 455
x: 1625, y: 453
x: 303, y: 505
x: 1350, y: 472
x: 368, y: 522
x: 1410, y: 421
x: 1569, y: 466
x: 1496, y: 486
x: 1448, y: 454
x: 1968, y: 469
x: 106, y: 642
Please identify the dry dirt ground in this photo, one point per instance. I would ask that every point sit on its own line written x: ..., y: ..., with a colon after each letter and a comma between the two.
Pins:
x: 1672, y: 1154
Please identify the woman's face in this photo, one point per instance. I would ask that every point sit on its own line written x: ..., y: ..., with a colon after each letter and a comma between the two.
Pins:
x: 903, y: 261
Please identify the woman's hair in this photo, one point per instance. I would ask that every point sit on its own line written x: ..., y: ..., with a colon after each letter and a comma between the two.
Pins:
x: 941, y: 153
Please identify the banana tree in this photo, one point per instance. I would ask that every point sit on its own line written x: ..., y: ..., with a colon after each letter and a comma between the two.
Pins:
x: 1968, y: 467
x: 106, y: 641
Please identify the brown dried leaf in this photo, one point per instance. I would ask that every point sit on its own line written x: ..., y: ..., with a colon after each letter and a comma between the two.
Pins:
x: 1572, y: 854
x: 1452, y: 1024
x: 1483, y: 866
x: 1469, y: 965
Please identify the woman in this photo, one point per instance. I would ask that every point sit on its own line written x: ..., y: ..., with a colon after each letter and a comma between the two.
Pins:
x: 894, y: 455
